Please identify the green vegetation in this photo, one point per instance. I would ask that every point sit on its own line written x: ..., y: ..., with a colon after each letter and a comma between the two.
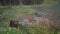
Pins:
x: 17, y: 12
x: 53, y: 2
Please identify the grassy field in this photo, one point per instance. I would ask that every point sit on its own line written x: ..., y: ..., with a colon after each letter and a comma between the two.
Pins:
x: 13, y: 12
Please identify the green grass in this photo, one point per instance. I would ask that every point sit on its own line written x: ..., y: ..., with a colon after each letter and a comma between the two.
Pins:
x: 13, y: 12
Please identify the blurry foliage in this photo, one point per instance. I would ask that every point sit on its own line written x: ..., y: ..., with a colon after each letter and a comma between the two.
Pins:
x: 28, y: 2
x: 51, y: 2
x: 16, y: 12
x: 20, y: 2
